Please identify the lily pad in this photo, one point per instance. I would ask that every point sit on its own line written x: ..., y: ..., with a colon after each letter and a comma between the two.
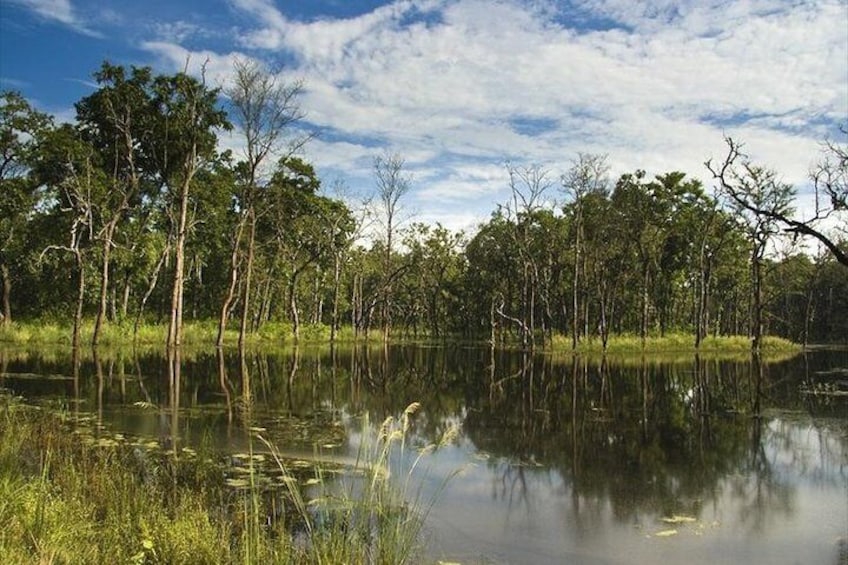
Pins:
x: 679, y: 519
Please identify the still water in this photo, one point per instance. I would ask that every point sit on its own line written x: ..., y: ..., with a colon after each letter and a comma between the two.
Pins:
x: 558, y: 460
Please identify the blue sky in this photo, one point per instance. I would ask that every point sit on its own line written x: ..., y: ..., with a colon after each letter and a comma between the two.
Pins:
x: 460, y: 87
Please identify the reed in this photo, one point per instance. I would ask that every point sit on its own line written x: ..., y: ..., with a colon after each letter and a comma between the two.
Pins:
x: 376, y: 513
x: 71, y: 494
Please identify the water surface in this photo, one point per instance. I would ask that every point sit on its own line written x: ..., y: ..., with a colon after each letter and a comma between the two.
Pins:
x: 638, y: 460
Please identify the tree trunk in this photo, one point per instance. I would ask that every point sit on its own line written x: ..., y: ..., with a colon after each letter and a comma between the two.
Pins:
x: 175, y: 328
x: 154, y: 279
x: 643, y: 324
x: 231, y: 290
x: 334, y: 323
x: 104, y: 280
x: 757, y: 314
x: 575, y: 286
x: 245, y: 306
x: 125, y: 297
x: 75, y: 338
x: 7, y: 293
x: 293, y: 306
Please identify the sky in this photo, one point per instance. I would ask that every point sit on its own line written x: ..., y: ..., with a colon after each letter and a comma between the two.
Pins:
x: 460, y: 88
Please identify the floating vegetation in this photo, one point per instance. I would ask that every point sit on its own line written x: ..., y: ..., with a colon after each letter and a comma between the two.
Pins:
x: 679, y: 520
x: 691, y: 525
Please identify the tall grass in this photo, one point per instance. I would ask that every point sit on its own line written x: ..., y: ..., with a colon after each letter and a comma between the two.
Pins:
x: 376, y: 514
x: 65, y: 500
x: 82, y: 498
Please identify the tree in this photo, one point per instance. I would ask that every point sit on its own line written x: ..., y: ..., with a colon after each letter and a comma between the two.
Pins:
x: 830, y: 182
x: 528, y: 185
x: 588, y: 175
x: 21, y: 127
x: 392, y: 185
x: 760, y: 201
x: 116, y: 121
x: 295, y: 224
x: 265, y: 109
x: 183, y: 140
x: 431, y: 280
x: 71, y: 168
x: 640, y: 217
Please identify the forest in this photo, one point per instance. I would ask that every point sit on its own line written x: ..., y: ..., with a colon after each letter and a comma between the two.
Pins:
x: 133, y: 215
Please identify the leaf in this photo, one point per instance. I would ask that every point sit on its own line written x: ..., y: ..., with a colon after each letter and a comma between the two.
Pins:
x: 666, y: 533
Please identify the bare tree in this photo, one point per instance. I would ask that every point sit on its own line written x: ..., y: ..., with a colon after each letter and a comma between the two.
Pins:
x: 528, y: 185
x: 830, y: 182
x: 760, y: 200
x: 265, y: 108
x: 392, y: 184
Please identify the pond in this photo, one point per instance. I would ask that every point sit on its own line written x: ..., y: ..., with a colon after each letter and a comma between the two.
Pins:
x: 558, y: 459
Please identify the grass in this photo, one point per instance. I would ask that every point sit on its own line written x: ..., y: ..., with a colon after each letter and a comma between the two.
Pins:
x: 66, y: 500
x: 378, y: 514
x: 195, y: 333
x: 674, y: 343
x: 203, y: 334
x: 69, y: 494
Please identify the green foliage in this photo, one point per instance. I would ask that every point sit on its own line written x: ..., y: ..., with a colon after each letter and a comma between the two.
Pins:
x: 91, y: 221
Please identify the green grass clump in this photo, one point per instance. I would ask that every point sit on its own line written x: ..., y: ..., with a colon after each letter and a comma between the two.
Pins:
x: 65, y: 500
x: 673, y: 343
x: 71, y: 494
x: 195, y: 333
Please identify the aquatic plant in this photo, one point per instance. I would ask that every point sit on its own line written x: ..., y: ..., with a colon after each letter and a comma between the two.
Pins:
x: 70, y: 492
x: 375, y: 512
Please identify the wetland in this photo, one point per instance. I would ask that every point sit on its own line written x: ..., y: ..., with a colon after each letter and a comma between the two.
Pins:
x: 530, y: 458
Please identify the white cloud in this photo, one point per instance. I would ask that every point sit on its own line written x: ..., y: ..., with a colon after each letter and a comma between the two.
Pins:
x: 58, y: 10
x: 456, y: 85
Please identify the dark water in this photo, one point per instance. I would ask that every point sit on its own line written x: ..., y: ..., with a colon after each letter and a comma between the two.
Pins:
x: 559, y: 460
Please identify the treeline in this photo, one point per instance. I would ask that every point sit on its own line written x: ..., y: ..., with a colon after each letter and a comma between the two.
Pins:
x: 133, y: 215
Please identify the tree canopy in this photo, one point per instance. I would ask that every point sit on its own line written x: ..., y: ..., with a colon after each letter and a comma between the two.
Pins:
x: 132, y: 214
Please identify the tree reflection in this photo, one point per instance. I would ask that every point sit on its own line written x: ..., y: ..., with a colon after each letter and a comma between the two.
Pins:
x: 651, y: 439
x: 637, y: 438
